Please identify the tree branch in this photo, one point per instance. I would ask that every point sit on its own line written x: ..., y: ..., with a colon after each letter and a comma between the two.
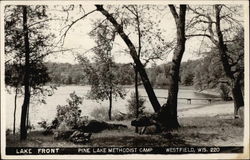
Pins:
x: 198, y: 35
x: 210, y: 23
x: 173, y: 11
x: 70, y: 25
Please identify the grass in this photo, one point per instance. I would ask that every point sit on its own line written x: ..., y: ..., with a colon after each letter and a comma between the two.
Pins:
x: 194, y: 131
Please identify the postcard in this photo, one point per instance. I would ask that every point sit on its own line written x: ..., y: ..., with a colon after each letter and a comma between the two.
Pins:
x: 124, y: 79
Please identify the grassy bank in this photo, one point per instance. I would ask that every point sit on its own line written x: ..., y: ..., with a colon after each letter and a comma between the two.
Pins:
x: 194, y: 131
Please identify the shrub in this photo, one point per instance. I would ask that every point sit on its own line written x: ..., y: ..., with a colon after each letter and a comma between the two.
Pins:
x: 132, y: 105
x: 187, y: 79
x: 70, y: 113
x: 101, y: 114
x: 43, y: 124
x: 8, y: 132
x: 224, y: 92
x: 119, y: 116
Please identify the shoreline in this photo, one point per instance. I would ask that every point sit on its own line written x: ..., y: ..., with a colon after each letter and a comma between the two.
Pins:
x: 210, y: 92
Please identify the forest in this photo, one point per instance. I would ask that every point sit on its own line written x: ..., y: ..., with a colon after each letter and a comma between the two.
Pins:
x: 201, y: 74
x: 156, y: 39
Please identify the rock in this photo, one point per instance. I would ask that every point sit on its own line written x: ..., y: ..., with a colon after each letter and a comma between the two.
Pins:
x: 95, y: 126
x: 80, y: 137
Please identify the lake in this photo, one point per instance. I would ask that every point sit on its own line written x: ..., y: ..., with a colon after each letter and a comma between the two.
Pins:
x: 39, y: 112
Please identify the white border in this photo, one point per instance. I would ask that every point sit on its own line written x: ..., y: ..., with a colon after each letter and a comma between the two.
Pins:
x: 134, y: 156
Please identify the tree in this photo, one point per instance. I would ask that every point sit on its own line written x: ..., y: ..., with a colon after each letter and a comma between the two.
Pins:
x: 13, y: 79
x: 126, y: 74
x: 26, y: 101
x: 133, y: 106
x: 168, y: 114
x: 104, y: 81
x: 26, y: 45
x: 150, y: 44
x: 187, y: 72
x: 222, y: 28
x: 132, y: 50
x: 208, y: 71
x: 70, y: 114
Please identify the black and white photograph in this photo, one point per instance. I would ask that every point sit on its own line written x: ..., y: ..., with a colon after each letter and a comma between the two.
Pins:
x: 124, y: 79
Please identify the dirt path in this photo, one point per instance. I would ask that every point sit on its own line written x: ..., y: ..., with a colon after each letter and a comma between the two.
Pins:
x: 208, y: 110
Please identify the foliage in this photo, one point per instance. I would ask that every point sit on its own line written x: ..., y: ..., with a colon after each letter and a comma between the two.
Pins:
x: 188, y: 79
x: 208, y: 71
x: 103, y: 81
x: 102, y: 114
x: 125, y: 73
x: 40, y: 46
x: 39, y: 38
x: 7, y: 132
x: 43, y: 124
x: 224, y: 27
x: 14, y: 78
x: 102, y: 76
x: 70, y: 114
x: 224, y: 91
x: 65, y: 73
x: 187, y: 72
x: 132, y: 106
x: 159, y: 75
x: 142, y: 22
x: 27, y: 42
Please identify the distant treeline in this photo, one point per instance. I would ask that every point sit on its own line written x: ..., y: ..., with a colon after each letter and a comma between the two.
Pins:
x: 202, y: 73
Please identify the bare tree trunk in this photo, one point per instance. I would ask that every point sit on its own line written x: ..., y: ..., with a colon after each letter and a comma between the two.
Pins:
x: 136, y: 71
x: 147, y: 85
x: 14, y: 116
x: 110, y: 103
x: 168, y: 114
x: 23, y: 128
x: 238, y: 98
x: 136, y: 97
x: 27, y: 117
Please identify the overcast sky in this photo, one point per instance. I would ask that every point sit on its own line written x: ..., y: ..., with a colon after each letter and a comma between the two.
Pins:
x: 78, y: 38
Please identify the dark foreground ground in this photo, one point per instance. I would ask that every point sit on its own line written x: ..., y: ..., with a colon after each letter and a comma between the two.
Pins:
x: 194, y: 131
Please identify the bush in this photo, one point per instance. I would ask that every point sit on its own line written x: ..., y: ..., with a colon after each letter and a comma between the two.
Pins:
x: 102, y: 114
x: 187, y: 79
x: 43, y: 124
x: 132, y: 106
x: 8, y: 132
x: 49, y: 128
x: 161, y: 80
x: 70, y: 114
x: 224, y: 92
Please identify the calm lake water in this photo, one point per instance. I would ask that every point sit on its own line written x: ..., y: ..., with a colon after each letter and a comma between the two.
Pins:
x: 39, y: 112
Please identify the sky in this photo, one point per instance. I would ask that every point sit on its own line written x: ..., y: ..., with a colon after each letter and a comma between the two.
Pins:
x: 78, y: 39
